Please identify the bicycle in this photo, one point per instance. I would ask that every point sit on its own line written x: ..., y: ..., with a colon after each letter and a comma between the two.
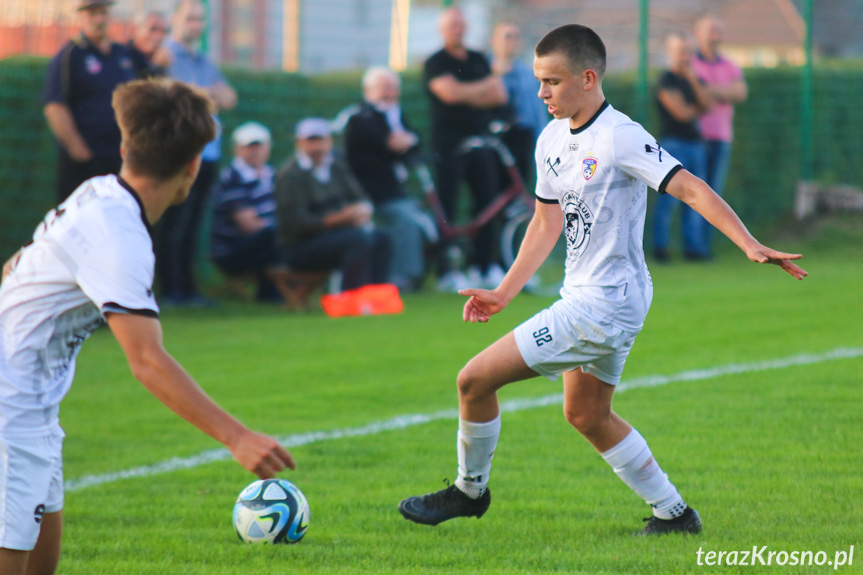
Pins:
x: 516, y: 204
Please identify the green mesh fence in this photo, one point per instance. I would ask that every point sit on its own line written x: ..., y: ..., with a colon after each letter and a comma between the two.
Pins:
x: 768, y: 151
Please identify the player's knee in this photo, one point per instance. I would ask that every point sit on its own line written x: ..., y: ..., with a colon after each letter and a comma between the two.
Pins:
x: 584, y: 419
x: 469, y: 383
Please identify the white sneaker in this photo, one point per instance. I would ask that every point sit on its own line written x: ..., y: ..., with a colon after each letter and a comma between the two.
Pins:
x: 474, y: 278
x: 452, y: 282
x: 493, y: 276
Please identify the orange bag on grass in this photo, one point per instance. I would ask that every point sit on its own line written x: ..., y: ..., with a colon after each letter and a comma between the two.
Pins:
x: 373, y: 299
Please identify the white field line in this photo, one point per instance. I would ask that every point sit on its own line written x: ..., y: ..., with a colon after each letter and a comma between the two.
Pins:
x: 410, y: 420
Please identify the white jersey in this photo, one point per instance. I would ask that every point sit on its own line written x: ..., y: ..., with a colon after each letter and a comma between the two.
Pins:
x: 91, y: 255
x: 599, y: 175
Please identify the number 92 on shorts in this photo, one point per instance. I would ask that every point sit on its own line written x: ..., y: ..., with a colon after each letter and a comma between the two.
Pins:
x: 566, y: 336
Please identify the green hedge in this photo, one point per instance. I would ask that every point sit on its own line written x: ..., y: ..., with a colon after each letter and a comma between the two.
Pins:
x: 762, y: 179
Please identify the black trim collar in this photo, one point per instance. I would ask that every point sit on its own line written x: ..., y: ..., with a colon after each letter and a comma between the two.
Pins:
x: 587, y: 124
x: 135, y: 195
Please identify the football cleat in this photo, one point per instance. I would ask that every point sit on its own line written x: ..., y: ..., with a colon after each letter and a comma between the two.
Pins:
x: 443, y: 505
x: 689, y: 522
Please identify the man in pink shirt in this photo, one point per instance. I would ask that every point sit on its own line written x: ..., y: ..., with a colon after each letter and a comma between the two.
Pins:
x: 725, y: 84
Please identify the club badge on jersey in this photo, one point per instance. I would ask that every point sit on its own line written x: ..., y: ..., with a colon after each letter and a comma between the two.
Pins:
x: 588, y: 167
x: 93, y: 64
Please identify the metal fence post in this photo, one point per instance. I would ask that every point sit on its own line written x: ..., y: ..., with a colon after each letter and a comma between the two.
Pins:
x: 807, y: 170
x: 641, y: 85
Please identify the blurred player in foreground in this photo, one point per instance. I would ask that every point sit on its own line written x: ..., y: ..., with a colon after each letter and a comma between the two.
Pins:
x: 91, y: 261
x: 594, y: 166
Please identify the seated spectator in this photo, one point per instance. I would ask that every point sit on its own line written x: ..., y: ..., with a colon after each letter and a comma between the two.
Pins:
x: 379, y: 145
x: 324, y: 216
x: 243, y: 235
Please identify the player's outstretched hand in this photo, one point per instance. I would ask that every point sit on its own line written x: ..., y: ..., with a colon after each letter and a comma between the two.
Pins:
x: 481, y: 304
x: 764, y: 255
x: 261, y: 454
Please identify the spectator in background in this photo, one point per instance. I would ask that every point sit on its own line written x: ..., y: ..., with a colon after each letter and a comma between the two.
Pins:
x: 77, y: 99
x: 379, y: 145
x: 324, y: 216
x: 463, y: 94
x: 681, y: 99
x: 525, y: 113
x: 725, y: 83
x: 243, y: 235
x: 177, y: 241
x: 151, y: 59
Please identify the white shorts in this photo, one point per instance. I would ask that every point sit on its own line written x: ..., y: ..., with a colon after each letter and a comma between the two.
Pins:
x: 568, y: 335
x: 31, y: 484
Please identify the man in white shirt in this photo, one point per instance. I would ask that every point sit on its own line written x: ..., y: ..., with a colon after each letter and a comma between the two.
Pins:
x: 594, y: 166
x: 91, y: 261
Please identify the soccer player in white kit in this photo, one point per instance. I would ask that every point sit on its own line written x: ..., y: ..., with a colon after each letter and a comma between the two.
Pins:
x: 594, y: 166
x: 91, y: 261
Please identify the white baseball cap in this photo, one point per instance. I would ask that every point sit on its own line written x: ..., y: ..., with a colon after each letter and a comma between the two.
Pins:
x: 251, y: 133
x: 312, y: 128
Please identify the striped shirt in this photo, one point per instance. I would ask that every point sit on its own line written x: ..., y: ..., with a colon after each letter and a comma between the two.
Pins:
x: 240, y: 187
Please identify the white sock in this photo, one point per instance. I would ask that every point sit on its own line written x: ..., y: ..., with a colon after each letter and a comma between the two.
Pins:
x: 476, y: 445
x: 633, y: 462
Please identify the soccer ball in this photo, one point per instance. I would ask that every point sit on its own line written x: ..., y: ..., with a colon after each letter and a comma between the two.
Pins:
x: 271, y: 511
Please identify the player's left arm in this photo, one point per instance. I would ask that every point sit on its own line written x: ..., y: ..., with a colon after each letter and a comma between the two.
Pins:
x: 140, y: 337
x: 700, y: 197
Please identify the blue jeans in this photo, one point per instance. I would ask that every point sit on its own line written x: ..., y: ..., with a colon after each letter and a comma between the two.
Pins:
x: 718, y: 158
x: 254, y: 253
x: 410, y: 230
x: 691, y: 155
x: 362, y: 255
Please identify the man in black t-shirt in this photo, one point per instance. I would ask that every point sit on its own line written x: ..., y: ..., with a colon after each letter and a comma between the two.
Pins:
x: 681, y: 99
x: 463, y: 92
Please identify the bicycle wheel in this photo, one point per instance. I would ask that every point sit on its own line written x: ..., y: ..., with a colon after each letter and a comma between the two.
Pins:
x: 547, y: 281
x: 512, y: 235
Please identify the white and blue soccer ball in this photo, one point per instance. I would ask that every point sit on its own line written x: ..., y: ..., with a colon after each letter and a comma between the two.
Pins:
x: 271, y: 511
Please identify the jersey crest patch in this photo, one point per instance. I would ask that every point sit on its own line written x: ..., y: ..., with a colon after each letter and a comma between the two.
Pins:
x: 588, y: 167
x: 579, y: 221
x: 93, y: 65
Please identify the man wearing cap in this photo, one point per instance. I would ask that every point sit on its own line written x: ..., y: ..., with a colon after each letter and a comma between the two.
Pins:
x: 177, y: 236
x: 77, y: 99
x: 243, y: 235
x: 324, y: 216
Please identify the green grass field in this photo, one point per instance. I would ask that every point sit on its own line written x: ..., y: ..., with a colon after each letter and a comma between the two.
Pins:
x: 768, y: 457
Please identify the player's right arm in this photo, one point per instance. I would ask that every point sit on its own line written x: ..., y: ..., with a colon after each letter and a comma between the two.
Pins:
x: 540, y: 238
x: 63, y: 126
x: 141, y: 339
